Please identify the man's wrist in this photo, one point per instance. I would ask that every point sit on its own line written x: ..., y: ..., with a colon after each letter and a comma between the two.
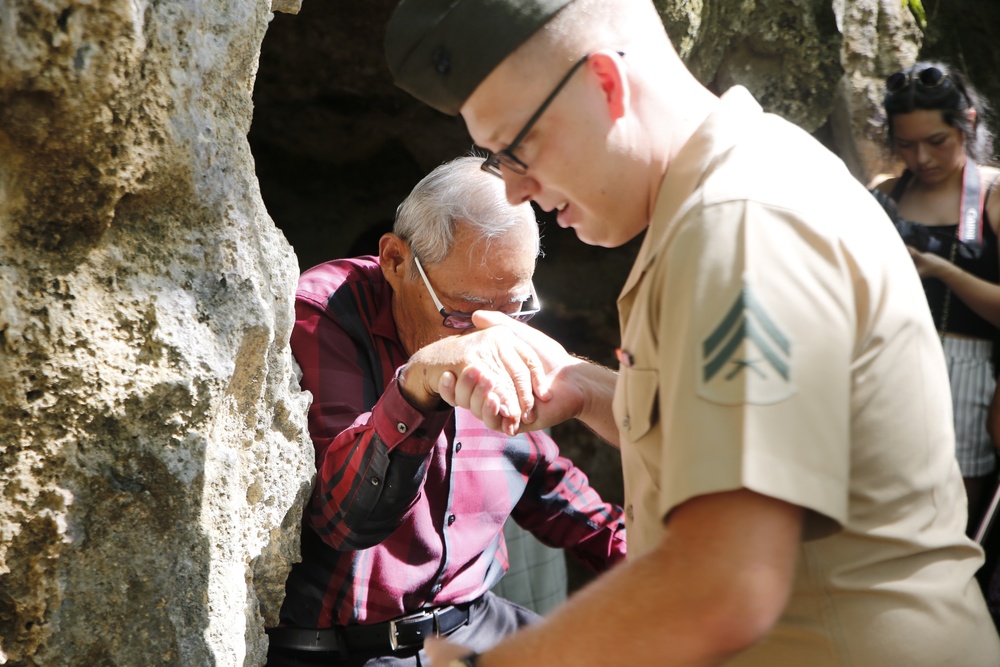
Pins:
x: 414, y: 392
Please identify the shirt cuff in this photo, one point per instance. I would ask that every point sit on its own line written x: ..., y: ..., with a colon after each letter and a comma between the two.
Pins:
x: 401, y: 425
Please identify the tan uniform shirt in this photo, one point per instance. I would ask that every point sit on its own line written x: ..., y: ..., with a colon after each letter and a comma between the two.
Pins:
x: 780, y: 342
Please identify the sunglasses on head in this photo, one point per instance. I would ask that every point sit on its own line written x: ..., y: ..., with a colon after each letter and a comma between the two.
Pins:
x: 928, y: 77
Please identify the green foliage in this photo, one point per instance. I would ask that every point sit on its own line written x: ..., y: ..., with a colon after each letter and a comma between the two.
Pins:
x: 917, y: 9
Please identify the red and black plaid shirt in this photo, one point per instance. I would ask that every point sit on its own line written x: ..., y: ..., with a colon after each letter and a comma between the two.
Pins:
x: 409, y: 506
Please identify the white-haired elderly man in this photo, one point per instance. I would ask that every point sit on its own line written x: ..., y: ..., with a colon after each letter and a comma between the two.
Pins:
x: 403, y: 537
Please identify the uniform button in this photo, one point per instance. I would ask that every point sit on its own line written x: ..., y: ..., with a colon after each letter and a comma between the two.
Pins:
x: 458, y: 446
x: 376, y: 481
x: 401, y: 427
x: 628, y: 512
x: 451, y: 519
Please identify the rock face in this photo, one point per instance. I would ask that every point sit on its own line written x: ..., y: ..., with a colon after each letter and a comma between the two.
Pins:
x: 879, y: 38
x: 153, y: 452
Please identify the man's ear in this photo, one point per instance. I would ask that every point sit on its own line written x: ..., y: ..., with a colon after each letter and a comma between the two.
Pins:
x: 609, y: 69
x: 393, y: 253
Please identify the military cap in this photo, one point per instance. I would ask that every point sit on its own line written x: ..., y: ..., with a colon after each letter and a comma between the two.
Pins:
x: 439, y: 51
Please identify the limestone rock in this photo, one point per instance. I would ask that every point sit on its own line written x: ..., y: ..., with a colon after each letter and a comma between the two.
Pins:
x: 879, y: 37
x: 286, y: 6
x: 153, y: 452
x: 814, y: 62
x: 783, y: 51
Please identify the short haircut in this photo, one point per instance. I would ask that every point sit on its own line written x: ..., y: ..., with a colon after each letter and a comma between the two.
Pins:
x: 590, y: 25
x: 458, y: 192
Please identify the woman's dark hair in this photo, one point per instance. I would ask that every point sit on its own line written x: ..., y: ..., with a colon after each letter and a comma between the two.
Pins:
x: 935, y: 86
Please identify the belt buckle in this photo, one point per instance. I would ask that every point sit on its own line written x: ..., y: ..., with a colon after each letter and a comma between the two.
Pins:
x: 422, y: 615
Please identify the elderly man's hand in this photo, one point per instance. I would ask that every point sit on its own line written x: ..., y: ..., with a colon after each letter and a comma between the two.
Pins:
x: 508, y: 371
x: 560, y: 398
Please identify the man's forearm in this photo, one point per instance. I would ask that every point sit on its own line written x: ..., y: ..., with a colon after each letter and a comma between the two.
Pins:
x: 599, y: 393
x: 358, y: 466
x: 714, y: 585
x: 633, y: 615
x: 565, y: 511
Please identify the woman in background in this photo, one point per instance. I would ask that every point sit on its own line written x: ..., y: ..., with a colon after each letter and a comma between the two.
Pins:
x: 949, y: 220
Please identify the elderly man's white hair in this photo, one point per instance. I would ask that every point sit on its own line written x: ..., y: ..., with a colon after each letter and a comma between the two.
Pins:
x: 458, y: 192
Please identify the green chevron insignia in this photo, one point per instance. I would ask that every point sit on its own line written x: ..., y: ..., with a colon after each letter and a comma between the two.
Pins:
x: 748, y: 341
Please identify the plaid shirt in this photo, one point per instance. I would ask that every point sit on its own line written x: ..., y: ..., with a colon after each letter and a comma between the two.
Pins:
x: 409, y: 506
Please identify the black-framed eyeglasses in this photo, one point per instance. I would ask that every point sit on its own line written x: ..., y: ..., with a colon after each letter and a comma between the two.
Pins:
x: 505, y: 158
x: 928, y: 77
x: 453, y: 320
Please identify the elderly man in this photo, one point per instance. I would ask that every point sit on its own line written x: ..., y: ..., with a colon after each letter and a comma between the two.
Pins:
x: 403, y: 537
x: 781, y: 403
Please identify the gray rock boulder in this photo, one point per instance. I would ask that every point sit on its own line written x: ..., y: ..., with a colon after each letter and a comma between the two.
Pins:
x: 153, y: 451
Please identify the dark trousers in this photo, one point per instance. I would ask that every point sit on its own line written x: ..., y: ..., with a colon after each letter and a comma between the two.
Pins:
x: 490, y: 620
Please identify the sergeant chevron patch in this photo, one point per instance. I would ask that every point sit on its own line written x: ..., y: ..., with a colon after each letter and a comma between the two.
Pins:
x: 746, y: 357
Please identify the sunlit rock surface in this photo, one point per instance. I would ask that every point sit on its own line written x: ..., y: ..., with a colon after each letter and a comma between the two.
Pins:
x: 153, y: 453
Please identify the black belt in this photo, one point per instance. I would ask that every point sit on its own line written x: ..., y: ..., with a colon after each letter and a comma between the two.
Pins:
x: 400, y: 633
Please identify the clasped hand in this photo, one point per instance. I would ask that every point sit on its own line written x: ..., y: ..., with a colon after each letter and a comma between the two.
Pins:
x: 506, y: 373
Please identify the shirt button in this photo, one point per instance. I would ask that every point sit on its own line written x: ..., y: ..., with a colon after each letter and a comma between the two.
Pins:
x: 376, y: 481
x: 401, y: 427
x: 451, y: 519
x: 458, y: 447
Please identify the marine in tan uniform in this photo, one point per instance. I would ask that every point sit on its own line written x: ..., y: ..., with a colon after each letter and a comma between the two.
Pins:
x: 788, y: 452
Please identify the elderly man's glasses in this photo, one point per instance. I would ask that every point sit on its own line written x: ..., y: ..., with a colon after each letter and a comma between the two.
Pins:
x: 506, y: 158
x: 464, y: 320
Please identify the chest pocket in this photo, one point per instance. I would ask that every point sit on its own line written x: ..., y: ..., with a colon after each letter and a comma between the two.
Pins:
x: 635, y: 401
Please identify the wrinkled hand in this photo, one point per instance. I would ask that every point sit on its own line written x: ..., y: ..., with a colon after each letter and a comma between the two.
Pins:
x: 928, y: 264
x: 558, y: 398
x: 441, y: 651
x: 508, y: 370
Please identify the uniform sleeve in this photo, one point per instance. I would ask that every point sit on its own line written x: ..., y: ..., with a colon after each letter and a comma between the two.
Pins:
x: 756, y: 326
x: 562, y: 510
x: 371, y: 463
